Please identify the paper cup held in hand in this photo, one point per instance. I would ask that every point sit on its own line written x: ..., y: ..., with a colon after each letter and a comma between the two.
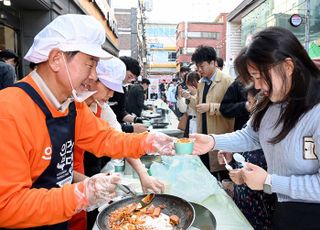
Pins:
x: 183, y: 146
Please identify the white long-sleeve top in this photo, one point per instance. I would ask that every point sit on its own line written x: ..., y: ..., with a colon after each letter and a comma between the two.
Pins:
x: 107, y: 114
x: 171, y: 93
x: 184, y: 108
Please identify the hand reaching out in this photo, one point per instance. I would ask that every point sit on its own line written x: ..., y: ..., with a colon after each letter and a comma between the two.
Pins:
x: 202, y: 143
x: 161, y: 143
x: 149, y: 182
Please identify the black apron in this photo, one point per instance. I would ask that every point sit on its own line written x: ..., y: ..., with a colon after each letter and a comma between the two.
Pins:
x: 61, y: 131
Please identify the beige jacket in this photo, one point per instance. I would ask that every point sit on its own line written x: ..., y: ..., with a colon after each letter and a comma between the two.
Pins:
x: 216, y: 123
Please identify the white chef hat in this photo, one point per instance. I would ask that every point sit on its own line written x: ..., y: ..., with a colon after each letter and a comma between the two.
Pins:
x: 69, y: 32
x: 111, y: 73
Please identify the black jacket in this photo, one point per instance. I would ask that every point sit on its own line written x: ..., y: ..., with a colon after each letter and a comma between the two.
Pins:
x: 233, y: 104
x: 135, y: 100
x: 7, y: 75
x: 120, y: 110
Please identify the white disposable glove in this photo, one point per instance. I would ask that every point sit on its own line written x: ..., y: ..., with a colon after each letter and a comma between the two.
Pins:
x: 162, y: 143
x: 97, y: 190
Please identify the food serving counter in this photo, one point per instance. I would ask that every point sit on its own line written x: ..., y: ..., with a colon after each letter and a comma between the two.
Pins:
x: 169, y: 117
x: 225, y: 211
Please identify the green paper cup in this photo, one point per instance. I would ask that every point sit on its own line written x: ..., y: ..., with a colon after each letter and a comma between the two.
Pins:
x: 183, y: 148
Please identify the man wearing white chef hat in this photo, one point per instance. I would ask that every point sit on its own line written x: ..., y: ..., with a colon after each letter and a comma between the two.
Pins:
x: 43, y: 117
x: 110, y: 74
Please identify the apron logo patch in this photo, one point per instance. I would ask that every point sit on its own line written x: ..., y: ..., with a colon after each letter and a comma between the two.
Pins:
x: 47, y: 153
x: 309, y: 149
x: 65, y: 164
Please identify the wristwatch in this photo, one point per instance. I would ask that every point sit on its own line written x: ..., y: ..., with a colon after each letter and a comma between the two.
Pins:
x: 267, y: 187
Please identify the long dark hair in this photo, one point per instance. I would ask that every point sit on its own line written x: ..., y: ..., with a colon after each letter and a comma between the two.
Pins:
x: 193, y: 78
x: 269, y: 48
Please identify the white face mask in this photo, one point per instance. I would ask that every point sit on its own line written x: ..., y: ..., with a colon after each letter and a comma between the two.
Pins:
x: 79, y: 97
x: 103, y: 106
x: 112, y: 103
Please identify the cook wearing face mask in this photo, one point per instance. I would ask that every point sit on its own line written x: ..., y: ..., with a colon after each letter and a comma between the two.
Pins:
x: 83, y: 93
x: 41, y: 123
x: 110, y: 75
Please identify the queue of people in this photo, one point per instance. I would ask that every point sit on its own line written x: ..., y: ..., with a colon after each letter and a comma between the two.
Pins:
x: 66, y: 119
x: 280, y: 137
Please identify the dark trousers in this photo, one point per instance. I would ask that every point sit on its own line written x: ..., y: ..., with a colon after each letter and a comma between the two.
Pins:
x: 296, y: 216
x: 186, y: 131
x: 221, y: 175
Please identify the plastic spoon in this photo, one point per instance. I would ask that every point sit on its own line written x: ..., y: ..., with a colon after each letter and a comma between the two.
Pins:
x: 228, y: 167
x: 239, y: 158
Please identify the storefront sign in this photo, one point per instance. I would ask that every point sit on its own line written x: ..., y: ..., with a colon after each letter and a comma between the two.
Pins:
x: 108, y: 16
x: 156, y: 45
x: 295, y: 20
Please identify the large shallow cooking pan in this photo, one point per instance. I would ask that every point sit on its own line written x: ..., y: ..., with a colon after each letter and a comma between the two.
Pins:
x: 174, y: 206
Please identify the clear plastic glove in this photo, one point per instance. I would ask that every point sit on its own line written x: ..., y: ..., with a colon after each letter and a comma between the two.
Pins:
x: 162, y: 143
x: 97, y: 190
x: 149, y: 182
x: 202, y: 143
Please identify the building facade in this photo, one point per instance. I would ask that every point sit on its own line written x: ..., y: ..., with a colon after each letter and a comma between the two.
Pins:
x: 128, y: 34
x: 192, y: 34
x: 161, y: 53
x: 251, y: 16
x: 22, y: 20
